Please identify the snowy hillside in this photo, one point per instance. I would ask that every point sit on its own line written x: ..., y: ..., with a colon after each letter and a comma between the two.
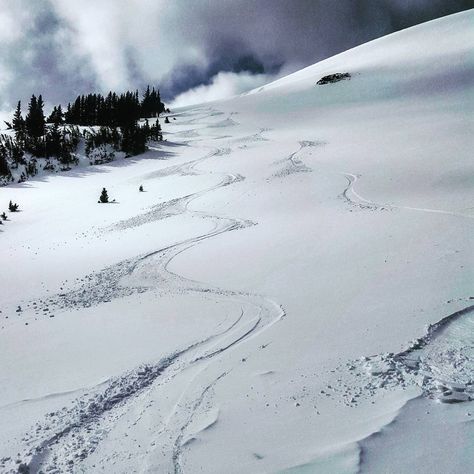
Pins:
x: 293, y: 292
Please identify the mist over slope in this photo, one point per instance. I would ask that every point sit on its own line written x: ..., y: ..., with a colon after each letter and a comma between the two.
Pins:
x: 265, y: 305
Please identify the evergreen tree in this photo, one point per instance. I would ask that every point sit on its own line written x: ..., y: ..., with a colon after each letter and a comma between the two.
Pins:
x: 77, y: 112
x: 12, y: 207
x: 59, y: 115
x: 68, y: 144
x: 4, y: 168
x: 35, y: 121
x: 67, y: 114
x: 155, y: 132
x: 133, y: 139
x: 56, y: 116
x: 104, y: 198
x: 146, y: 129
x: 151, y: 105
x: 53, y: 141
x: 18, y: 123
x: 52, y: 116
x: 11, y: 150
x: 30, y: 116
x: 146, y: 109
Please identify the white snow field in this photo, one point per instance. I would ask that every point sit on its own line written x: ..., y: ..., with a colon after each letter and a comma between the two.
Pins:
x: 293, y: 292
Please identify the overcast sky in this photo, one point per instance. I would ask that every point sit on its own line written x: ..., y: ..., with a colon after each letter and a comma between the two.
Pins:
x: 193, y: 49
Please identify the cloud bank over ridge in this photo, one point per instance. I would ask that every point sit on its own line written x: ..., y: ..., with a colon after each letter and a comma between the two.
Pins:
x: 209, y: 47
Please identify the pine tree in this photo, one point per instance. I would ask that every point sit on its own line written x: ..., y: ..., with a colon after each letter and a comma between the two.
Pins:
x: 146, y: 103
x: 12, y: 207
x: 151, y: 105
x: 56, y: 116
x: 35, y: 121
x: 18, y: 123
x: 4, y: 168
x: 40, y: 119
x: 53, y: 140
x: 30, y: 116
x: 104, y: 197
x: 141, y: 188
x: 52, y: 116
x: 155, y: 132
x: 133, y: 139
x: 146, y: 129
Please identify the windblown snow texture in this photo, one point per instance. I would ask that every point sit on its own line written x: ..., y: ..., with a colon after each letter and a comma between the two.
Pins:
x: 291, y: 293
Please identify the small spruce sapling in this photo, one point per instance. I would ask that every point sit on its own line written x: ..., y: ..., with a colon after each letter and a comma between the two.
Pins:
x: 141, y: 188
x: 12, y: 207
x: 3, y: 216
x: 104, y: 197
x: 167, y: 120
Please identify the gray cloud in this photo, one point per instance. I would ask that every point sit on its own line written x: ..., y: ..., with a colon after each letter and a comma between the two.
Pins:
x: 35, y: 57
x: 61, y: 48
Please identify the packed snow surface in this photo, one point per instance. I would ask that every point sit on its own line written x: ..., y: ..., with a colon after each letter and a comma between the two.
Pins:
x: 293, y: 292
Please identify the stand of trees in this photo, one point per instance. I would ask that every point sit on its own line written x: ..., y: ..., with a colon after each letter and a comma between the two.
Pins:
x: 58, y: 136
x: 112, y: 110
x: 33, y: 136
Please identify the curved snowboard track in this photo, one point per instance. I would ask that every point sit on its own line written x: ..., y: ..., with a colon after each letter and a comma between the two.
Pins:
x: 66, y: 438
x: 355, y: 199
x: 292, y: 163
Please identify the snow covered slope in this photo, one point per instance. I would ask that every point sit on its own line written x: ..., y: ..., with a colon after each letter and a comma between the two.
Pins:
x: 264, y: 305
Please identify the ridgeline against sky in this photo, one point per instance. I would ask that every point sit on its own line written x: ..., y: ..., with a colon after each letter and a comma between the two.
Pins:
x: 66, y: 48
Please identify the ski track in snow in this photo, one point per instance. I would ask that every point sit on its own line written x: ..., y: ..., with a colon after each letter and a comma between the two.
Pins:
x: 440, y: 363
x: 293, y: 164
x: 355, y: 199
x: 180, y: 442
x: 67, y: 437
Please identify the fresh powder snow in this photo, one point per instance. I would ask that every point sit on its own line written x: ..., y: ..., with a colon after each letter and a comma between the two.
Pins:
x: 291, y: 292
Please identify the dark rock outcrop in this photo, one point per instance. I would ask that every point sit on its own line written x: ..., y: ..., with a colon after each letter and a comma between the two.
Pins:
x: 331, y: 78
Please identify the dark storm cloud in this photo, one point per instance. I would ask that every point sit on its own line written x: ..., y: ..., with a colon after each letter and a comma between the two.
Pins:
x: 291, y: 33
x: 304, y: 31
x: 61, y: 48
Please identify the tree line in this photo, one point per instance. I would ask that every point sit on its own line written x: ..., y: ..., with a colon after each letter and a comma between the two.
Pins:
x: 58, y: 135
x: 112, y: 110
